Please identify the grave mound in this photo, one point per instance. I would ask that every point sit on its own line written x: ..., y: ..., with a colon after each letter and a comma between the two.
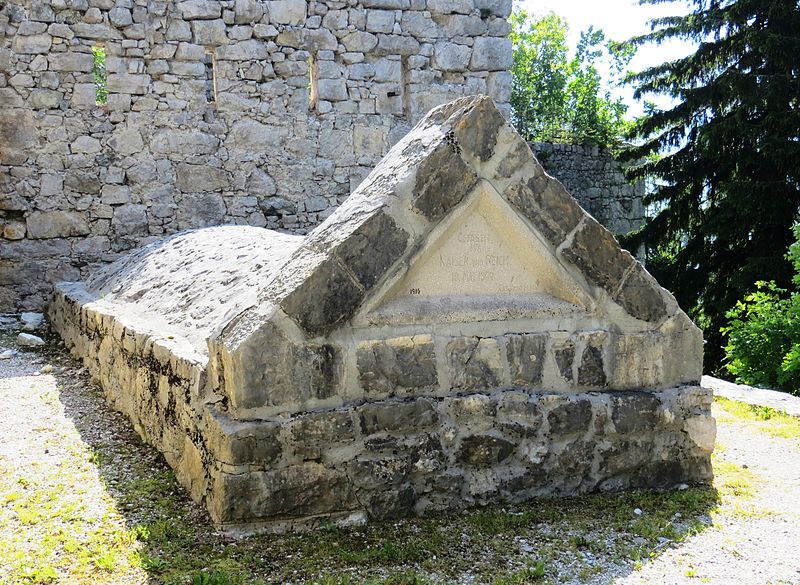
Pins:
x: 458, y: 332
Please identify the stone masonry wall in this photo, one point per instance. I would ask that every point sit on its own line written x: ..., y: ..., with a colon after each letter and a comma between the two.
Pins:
x: 259, y: 112
x: 595, y: 179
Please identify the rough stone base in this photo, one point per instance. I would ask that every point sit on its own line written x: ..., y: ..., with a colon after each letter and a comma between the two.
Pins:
x: 389, y: 458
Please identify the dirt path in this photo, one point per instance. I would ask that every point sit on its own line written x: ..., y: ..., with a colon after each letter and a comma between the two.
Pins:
x: 758, y: 540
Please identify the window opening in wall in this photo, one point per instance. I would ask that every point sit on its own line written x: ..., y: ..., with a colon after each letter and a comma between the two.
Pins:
x: 313, y: 92
x: 211, y: 76
x: 100, y: 74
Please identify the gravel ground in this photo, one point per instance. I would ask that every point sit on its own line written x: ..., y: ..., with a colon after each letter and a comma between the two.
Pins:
x: 54, y: 420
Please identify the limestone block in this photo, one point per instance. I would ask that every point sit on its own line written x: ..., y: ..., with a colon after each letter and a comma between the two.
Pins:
x: 484, y: 450
x: 82, y: 181
x: 254, y: 137
x: 474, y: 363
x: 178, y: 30
x: 115, y: 194
x: 570, y: 416
x: 501, y: 8
x: 84, y: 96
x: 526, y: 354
x: 635, y: 412
x: 32, y: 45
x: 397, y: 45
x: 380, y: 21
x: 71, y: 61
x: 255, y: 443
x: 126, y: 141
x: 450, y: 6
x: 14, y: 230
x: 200, y: 210
x: 397, y: 366
x: 315, y: 433
x: 287, y: 11
x: 120, y: 17
x: 391, y: 4
x: 199, y: 9
x: 491, y: 54
x: 130, y: 219
x: 183, y: 142
x: 247, y: 11
x: 86, y: 145
x: 442, y: 181
x: 419, y: 25
x: 397, y: 417
x: 56, y: 224
x: 198, y: 178
x: 591, y: 370
x: 360, y: 42
x: 641, y: 296
x: 270, y: 370
x: 209, y: 32
x: 243, y: 51
x: 44, y: 99
x: 332, y: 90
x: 451, y: 57
x: 128, y: 83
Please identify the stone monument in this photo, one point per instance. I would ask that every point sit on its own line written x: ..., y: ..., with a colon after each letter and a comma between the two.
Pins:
x: 459, y: 331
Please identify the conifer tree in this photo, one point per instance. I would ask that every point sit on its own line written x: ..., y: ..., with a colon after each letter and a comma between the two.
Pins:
x: 724, y: 161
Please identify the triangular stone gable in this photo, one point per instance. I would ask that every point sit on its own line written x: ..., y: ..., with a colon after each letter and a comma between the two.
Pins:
x: 354, y: 268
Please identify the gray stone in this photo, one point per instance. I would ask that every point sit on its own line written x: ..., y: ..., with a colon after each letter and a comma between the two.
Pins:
x: 243, y: 51
x: 127, y: 83
x: 44, y: 99
x: 317, y: 432
x: 199, y: 9
x: 360, y: 42
x: 209, y: 32
x: 565, y: 356
x: 199, y: 178
x: 182, y: 142
x: 591, y: 372
x: 247, y: 11
x: 474, y: 363
x: 484, y: 450
x: 570, y: 417
x: 526, y: 355
x: 397, y: 366
x: 595, y: 251
x: 287, y: 11
x: 442, y: 182
x: 332, y: 90
x: 635, y: 411
x: 120, y: 17
x: 451, y: 57
x: 32, y: 45
x: 491, y: 54
x: 397, y: 417
x: 56, y: 224
x: 28, y: 340
x: 130, y: 219
x: 31, y: 321
x: 71, y: 61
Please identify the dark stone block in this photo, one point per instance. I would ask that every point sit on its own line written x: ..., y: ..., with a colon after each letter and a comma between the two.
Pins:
x: 641, y: 296
x: 526, y: 358
x: 546, y: 203
x: 570, y: 417
x: 372, y: 248
x: 300, y: 490
x: 397, y: 417
x: 315, y: 432
x: 399, y: 364
x: 484, y: 450
x: 595, y: 251
x: 590, y: 371
x: 391, y: 503
x: 523, y: 419
x: 565, y: 355
x: 477, y: 130
x: 326, y: 299
x: 474, y: 363
x: 261, y: 448
x: 443, y: 180
x: 635, y: 411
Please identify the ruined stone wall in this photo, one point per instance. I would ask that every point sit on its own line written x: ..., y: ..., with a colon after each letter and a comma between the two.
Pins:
x: 595, y: 179
x: 259, y: 112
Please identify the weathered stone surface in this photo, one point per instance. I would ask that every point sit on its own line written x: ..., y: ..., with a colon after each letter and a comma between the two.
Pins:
x: 492, y: 54
x: 474, y: 363
x: 570, y: 417
x: 484, y: 450
x: 397, y: 417
x: 287, y: 11
x: 526, y: 355
x: 442, y: 181
x: 397, y: 366
x: 56, y: 224
x: 432, y: 343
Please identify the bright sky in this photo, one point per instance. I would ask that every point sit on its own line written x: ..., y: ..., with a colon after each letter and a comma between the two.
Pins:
x: 620, y: 20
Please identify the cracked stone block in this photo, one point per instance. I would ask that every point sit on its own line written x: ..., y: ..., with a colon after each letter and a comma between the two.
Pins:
x: 397, y: 366
x: 526, y: 355
x: 474, y: 363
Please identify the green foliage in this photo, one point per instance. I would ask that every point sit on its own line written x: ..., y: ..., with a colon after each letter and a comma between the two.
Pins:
x: 764, y: 333
x: 723, y: 161
x: 99, y: 72
x: 558, y: 99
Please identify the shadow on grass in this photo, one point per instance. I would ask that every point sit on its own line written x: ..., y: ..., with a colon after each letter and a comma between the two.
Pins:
x: 594, y: 538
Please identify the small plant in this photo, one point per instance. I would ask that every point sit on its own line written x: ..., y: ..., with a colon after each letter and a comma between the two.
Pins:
x: 100, y: 76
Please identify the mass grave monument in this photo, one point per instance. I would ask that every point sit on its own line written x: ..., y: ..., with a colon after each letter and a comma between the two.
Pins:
x: 458, y: 332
